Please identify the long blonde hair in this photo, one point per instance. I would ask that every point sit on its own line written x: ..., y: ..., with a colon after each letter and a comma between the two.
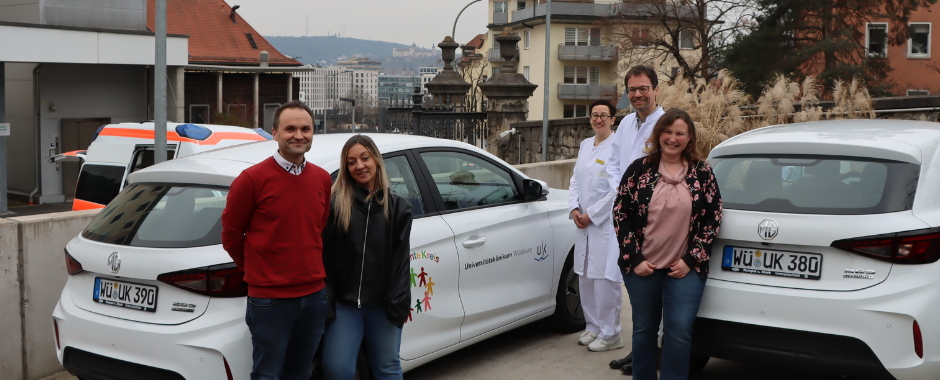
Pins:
x: 344, y: 195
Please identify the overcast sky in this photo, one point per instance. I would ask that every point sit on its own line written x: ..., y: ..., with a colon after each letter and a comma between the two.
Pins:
x: 422, y: 22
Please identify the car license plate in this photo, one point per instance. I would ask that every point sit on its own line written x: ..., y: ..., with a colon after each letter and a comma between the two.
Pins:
x: 125, y: 294
x: 773, y: 263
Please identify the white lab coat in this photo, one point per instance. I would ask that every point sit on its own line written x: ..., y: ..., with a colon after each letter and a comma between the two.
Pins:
x: 589, y: 191
x: 629, y: 144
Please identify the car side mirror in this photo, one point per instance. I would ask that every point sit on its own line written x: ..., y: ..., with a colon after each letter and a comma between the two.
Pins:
x: 533, y: 189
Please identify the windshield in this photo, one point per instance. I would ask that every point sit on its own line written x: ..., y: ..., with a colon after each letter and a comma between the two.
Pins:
x: 804, y: 184
x: 161, y: 216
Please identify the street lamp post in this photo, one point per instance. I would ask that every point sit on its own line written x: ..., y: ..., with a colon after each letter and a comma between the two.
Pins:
x: 353, y: 101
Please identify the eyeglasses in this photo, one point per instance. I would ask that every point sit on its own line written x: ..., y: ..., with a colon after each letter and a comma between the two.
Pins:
x: 595, y: 116
x: 643, y: 90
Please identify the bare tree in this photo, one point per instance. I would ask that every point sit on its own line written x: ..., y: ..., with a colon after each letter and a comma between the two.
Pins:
x: 473, y: 70
x: 687, y: 35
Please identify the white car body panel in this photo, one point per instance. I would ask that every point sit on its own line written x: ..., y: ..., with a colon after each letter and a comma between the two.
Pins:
x: 881, y: 311
x: 500, y: 302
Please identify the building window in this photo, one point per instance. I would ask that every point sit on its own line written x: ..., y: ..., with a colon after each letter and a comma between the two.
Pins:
x: 918, y: 42
x: 240, y: 110
x: 917, y: 92
x: 520, y: 4
x: 640, y: 36
x: 686, y: 40
x: 500, y: 6
x: 528, y: 36
x: 575, y: 110
x: 583, y: 36
x: 876, y: 39
x: 525, y: 72
x: 199, y: 113
x: 582, y: 74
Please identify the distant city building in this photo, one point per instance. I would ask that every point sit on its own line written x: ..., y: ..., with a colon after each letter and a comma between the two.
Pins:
x: 427, y: 74
x: 413, y: 51
x: 395, y: 88
x: 365, y: 87
x: 360, y: 63
x: 323, y: 86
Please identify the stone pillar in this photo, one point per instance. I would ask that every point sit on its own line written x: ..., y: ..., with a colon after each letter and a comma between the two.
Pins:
x: 448, y: 89
x: 507, y: 93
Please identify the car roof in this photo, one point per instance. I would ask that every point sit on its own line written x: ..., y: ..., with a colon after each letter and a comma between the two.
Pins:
x: 115, y: 143
x: 900, y: 140
x: 221, y: 166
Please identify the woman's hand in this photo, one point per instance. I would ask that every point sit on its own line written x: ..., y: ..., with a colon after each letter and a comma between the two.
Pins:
x: 585, y: 220
x: 644, y: 269
x: 679, y: 269
x: 576, y: 216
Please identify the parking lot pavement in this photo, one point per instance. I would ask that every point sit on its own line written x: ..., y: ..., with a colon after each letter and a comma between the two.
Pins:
x: 60, y: 376
x: 536, y: 352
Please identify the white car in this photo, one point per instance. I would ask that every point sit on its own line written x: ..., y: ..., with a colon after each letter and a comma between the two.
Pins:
x: 827, y: 255
x: 151, y: 293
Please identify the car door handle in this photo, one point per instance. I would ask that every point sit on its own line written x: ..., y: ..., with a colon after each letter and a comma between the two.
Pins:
x: 474, y: 241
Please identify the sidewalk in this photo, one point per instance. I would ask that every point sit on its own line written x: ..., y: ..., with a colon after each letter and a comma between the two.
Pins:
x: 46, y: 208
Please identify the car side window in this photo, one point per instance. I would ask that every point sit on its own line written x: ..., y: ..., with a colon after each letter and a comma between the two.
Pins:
x: 466, y: 181
x: 402, y: 181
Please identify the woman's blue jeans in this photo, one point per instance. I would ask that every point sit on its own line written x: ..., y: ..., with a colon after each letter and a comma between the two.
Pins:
x: 353, y: 327
x: 675, y: 302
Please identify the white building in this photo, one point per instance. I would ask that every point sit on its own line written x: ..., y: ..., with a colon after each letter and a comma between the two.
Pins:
x: 323, y: 86
x: 413, y: 51
x: 427, y: 74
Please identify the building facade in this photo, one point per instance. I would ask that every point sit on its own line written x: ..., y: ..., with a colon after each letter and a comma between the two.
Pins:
x: 911, y: 62
x: 397, y: 88
x: 413, y: 51
x: 360, y: 63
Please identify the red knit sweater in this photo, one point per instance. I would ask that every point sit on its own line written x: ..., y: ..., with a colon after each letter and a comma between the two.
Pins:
x: 272, y: 225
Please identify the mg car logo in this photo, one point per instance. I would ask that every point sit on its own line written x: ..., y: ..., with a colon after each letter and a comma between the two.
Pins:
x: 114, y: 262
x: 767, y: 229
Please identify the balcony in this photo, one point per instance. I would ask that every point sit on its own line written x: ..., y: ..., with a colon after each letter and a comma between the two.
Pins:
x: 500, y: 18
x: 567, y: 9
x: 586, y: 91
x: 494, y: 55
x: 587, y: 53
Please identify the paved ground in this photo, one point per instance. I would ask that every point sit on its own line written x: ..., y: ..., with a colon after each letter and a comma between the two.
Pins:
x: 38, y: 209
x: 535, y: 352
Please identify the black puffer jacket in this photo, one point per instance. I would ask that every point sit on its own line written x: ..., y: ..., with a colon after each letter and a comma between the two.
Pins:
x: 382, y: 278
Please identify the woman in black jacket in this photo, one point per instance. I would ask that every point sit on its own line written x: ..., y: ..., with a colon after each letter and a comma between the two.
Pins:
x: 366, y: 254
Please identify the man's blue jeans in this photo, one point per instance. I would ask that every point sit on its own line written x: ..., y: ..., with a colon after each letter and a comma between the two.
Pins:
x: 347, y: 332
x: 673, y: 301
x: 285, y: 333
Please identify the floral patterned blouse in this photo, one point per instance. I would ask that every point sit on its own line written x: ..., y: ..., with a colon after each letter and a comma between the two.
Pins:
x: 631, y: 211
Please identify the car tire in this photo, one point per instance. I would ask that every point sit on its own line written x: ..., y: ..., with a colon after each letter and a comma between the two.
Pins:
x: 568, y: 317
x: 697, y: 363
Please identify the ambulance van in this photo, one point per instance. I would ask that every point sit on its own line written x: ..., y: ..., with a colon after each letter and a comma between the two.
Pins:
x: 121, y: 149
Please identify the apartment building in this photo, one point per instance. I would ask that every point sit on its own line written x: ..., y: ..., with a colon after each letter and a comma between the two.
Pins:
x: 911, y: 62
x: 585, y: 62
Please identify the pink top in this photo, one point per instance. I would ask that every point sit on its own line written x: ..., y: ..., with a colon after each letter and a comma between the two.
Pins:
x: 669, y: 219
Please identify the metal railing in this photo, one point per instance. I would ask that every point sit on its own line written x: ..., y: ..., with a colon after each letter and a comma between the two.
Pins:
x: 587, y: 53
x: 567, y: 9
x: 586, y: 91
x: 500, y: 18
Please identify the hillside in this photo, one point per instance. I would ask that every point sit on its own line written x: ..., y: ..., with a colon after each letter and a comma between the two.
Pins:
x: 309, y: 50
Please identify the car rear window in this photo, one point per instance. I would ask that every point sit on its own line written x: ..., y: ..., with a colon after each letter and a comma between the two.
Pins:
x: 99, y: 183
x: 161, y: 216
x: 803, y: 184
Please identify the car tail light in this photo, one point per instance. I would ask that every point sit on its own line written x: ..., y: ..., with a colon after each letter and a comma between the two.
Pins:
x: 918, y: 341
x: 72, y: 265
x: 909, y: 247
x: 224, y: 280
x: 228, y: 371
x: 55, y: 325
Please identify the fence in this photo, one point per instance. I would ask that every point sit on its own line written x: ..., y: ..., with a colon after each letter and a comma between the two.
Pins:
x: 440, y: 117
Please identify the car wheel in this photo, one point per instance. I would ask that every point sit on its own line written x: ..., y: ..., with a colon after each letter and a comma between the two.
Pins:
x: 697, y: 364
x: 568, y: 317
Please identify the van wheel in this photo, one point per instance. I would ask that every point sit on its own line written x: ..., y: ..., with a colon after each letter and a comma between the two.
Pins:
x: 568, y: 317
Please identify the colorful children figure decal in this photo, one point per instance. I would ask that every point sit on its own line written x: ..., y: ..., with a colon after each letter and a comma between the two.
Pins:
x: 430, y: 285
x: 410, y: 309
x: 427, y: 302
x: 413, y: 275
x: 423, y: 276
x: 418, y: 307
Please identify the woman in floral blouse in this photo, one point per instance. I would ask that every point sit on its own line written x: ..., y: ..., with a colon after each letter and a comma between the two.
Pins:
x: 666, y: 215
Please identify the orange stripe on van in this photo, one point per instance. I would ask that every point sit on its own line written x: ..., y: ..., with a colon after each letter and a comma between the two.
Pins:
x: 213, y: 139
x: 79, y: 205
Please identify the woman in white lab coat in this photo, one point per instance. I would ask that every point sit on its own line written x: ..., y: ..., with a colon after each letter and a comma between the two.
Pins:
x: 590, y: 201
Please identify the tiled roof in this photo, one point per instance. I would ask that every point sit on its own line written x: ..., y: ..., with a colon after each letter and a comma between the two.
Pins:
x: 213, y: 38
x: 477, y: 41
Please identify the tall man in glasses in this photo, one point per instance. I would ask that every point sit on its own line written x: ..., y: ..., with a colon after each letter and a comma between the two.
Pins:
x: 629, y: 144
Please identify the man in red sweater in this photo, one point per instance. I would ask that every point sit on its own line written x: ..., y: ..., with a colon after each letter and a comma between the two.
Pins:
x: 271, y: 226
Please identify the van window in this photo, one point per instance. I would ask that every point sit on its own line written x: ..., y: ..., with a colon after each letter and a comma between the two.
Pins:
x: 143, y: 158
x: 801, y: 184
x: 161, y: 216
x: 99, y: 183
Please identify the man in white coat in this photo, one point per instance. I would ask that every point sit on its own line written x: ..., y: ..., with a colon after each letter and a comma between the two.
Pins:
x: 629, y: 144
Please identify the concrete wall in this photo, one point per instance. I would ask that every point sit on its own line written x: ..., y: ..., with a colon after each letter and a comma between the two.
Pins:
x: 556, y: 173
x: 11, y: 323
x: 32, y: 275
x: 25, y: 11
x: 20, y: 143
